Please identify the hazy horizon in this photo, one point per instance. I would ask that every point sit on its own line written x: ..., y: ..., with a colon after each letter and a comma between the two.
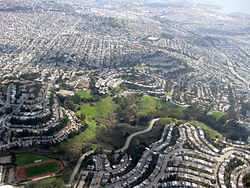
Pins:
x: 230, y: 6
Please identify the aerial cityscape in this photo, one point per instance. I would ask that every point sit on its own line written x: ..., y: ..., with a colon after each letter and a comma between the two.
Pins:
x: 124, y: 94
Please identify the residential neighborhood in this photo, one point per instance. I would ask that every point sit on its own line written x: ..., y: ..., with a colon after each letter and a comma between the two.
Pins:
x: 124, y: 94
x: 183, y: 157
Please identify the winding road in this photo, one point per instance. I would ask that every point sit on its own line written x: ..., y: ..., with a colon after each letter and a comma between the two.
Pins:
x: 77, y: 167
x: 129, y: 139
x: 124, y: 148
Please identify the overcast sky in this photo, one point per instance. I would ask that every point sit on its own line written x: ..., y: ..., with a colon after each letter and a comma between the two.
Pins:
x: 230, y: 6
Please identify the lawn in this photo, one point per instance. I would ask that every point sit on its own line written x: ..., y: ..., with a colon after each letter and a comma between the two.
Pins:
x: 85, y: 95
x: 105, y: 107
x: 169, y: 109
x: 216, y: 115
x: 211, y: 133
x: 147, y: 105
x: 95, y: 118
x: 27, y: 158
x: 74, y: 145
x: 101, y: 109
x: 88, y: 110
x: 45, y: 168
x: 82, y: 96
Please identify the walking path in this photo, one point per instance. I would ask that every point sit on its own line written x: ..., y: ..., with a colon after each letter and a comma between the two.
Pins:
x: 77, y: 167
x: 129, y: 139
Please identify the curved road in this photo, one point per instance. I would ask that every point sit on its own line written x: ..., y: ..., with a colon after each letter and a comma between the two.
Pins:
x: 78, y: 165
x: 124, y: 148
x: 129, y: 139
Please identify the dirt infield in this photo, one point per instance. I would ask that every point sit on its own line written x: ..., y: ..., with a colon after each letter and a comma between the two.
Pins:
x: 39, y: 169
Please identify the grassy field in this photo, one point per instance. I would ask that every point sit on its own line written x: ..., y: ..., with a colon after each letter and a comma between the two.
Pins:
x: 45, y: 168
x: 216, y: 115
x: 147, y: 105
x: 30, y: 165
x: 74, y: 145
x: 168, y: 109
x: 82, y: 96
x: 96, y: 116
x: 211, y: 133
x: 88, y: 110
x: 101, y: 109
x: 105, y: 107
x: 27, y: 158
x: 85, y: 95
x: 102, y: 115
x: 99, y: 115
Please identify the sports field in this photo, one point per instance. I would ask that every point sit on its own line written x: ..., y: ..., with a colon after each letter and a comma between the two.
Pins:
x: 36, y: 167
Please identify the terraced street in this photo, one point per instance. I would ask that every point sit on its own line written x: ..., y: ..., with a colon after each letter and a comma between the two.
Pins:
x: 182, y: 157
